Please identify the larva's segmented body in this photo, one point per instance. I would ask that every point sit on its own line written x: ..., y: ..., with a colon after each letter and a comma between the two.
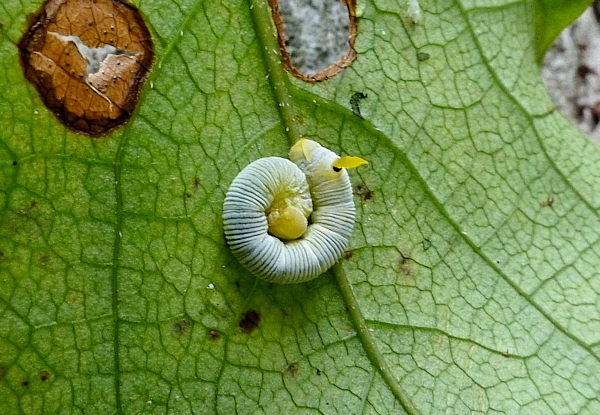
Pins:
x: 275, y: 196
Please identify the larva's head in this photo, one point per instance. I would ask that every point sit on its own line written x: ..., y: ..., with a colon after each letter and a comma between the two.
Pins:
x: 319, y: 162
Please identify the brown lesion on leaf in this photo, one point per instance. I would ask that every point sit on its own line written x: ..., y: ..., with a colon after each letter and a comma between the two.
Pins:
x: 196, y: 182
x: 334, y: 68
x: 249, y: 321
x: 292, y: 370
x: 44, y: 375
x: 181, y: 327
x: 213, y: 334
x: 88, y: 60
x: 364, y: 192
x: 406, y: 268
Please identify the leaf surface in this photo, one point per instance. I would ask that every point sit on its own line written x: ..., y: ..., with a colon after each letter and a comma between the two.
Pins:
x: 472, y: 283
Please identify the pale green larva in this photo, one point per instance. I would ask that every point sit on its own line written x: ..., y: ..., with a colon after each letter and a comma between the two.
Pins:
x: 289, y: 221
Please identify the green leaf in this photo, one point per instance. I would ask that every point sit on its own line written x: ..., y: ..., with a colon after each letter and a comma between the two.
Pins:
x: 551, y: 17
x: 472, y: 286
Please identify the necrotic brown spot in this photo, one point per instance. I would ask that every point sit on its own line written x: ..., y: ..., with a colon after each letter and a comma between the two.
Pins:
x: 365, y: 193
x: 307, y: 56
x: 249, y: 321
x: 213, y: 334
x: 44, y: 375
x: 181, y: 327
x: 89, y: 78
x: 292, y: 370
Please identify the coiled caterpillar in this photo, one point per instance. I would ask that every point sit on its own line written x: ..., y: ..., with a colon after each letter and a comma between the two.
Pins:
x: 268, y: 207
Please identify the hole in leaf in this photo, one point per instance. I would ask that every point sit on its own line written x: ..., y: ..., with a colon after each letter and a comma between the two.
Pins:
x: 88, y: 60
x: 316, y: 38
x: 571, y: 72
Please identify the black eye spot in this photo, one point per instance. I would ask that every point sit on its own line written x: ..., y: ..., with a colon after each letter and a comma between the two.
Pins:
x: 337, y: 169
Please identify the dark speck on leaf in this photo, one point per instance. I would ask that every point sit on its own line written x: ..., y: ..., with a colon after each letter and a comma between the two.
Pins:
x: 181, y: 327
x: 15, y: 163
x: 213, y: 334
x: 348, y: 255
x: 292, y: 369
x: 2, y: 256
x: 318, y: 372
x: 25, y: 383
x: 44, y: 375
x: 549, y: 201
x: 249, y: 321
x: 2, y: 372
x: 354, y: 100
x: 365, y: 193
x: 422, y: 56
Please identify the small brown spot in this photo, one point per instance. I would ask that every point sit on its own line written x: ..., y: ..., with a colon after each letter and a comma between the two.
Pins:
x: 213, y: 335
x: 44, y: 259
x: 249, y: 321
x: 3, y: 371
x: 405, y: 268
x: 25, y: 383
x: 196, y: 183
x: 67, y: 62
x: 318, y: 372
x: 348, y: 255
x: 187, y: 195
x: 2, y: 256
x: 292, y: 370
x: 181, y: 327
x: 44, y: 375
x: 365, y: 193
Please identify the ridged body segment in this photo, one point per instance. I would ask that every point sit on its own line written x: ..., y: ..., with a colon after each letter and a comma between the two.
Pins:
x: 311, y: 182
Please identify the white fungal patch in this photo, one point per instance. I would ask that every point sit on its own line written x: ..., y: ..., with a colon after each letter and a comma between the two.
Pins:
x: 313, y: 186
x: 414, y: 11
